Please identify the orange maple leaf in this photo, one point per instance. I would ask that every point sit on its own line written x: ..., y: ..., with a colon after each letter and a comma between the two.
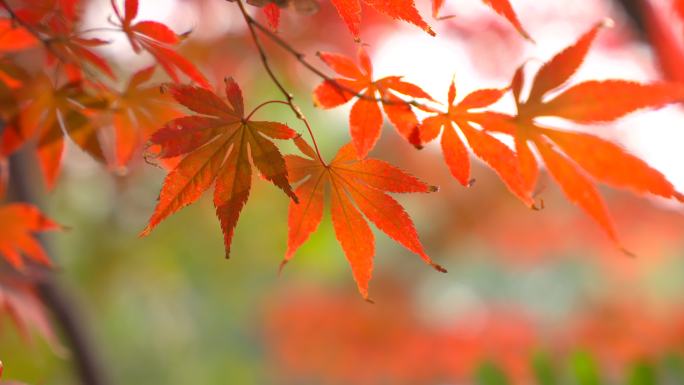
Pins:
x: 215, y: 147
x: 573, y: 157
x: 350, y: 12
x: 502, y: 7
x: 48, y: 113
x: 155, y: 37
x: 352, y: 184
x: 365, y: 119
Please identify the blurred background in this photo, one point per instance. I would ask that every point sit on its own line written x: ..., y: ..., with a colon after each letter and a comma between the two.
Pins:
x: 530, y: 297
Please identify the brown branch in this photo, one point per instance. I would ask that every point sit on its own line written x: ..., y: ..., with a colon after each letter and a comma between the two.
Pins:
x: 301, y: 58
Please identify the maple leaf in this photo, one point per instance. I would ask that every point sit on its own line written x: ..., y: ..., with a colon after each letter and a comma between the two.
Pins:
x: 155, y: 37
x: 215, y: 147
x: 365, y: 119
x: 353, y: 185
x: 350, y: 12
x: 502, y: 7
x: 137, y: 112
x: 48, y: 113
x: 574, y: 158
x: 18, y: 223
x: 492, y: 151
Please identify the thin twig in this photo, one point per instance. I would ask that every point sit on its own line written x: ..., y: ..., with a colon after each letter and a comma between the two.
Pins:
x: 264, y: 61
x: 301, y: 58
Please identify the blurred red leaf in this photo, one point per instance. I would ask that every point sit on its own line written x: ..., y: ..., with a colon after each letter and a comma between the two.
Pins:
x: 154, y: 37
x: 48, y: 113
x: 18, y: 224
x: 19, y: 301
x: 137, y: 112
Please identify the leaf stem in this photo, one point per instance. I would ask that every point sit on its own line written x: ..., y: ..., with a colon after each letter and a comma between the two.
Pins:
x: 263, y: 105
x: 264, y: 61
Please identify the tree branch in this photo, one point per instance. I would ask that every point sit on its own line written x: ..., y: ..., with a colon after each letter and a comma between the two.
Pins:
x: 89, y: 367
x: 301, y: 58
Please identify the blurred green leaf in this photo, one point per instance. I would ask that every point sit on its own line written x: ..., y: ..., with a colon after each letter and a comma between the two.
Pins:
x: 490, y: 374
x: 673, y: 369
x: 642, y: 373
x: 544, y: 371
x: 585, y: 369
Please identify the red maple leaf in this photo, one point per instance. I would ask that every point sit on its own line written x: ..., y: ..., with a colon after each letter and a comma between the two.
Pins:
x: 502, y: 7
x: 365, y: 119
x: 350, y: 12
x: 215, y: 147
x: 353, y: 185
x: 18, y: 223
x: 574, y: 158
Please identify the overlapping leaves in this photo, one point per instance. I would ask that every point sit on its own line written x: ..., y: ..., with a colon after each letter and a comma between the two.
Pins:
x: 136, y: 112
x: 48, y: 113
x: 572, y: 158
